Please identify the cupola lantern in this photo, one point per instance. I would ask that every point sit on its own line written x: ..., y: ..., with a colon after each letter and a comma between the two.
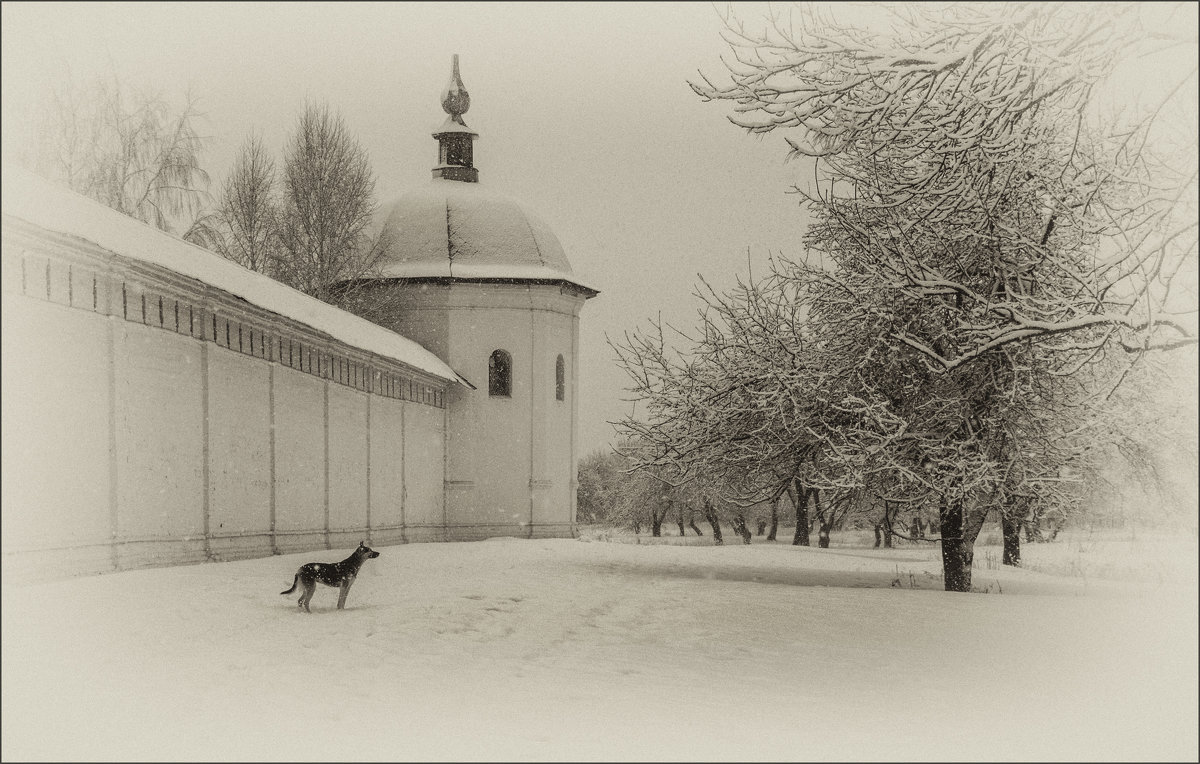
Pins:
x: 455, y: 139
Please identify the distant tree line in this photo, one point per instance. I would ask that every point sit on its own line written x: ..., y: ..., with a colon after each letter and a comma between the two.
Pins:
x: 613, y: 491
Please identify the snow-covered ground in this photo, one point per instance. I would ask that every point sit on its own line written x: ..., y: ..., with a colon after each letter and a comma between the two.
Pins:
x: 586, y: 650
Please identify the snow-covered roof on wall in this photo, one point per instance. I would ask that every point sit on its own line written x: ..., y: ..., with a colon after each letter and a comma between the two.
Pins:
x: 37, y: 201
x: 452, y: 229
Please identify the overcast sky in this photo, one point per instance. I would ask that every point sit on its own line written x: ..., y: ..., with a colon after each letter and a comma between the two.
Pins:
x: 583, y: 111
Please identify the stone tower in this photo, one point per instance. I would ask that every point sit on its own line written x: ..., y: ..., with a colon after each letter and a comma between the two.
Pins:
x: 486, y: 286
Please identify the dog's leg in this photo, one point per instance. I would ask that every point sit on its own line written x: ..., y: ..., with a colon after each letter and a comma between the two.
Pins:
x: 344, y: 591
x: 310, y: 587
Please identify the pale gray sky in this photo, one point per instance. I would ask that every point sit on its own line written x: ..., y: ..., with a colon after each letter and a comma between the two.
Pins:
x: 583, y: 111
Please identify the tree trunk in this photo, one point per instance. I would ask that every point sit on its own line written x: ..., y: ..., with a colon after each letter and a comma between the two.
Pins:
x: 655, y: 524
x: 774, y: 520
x: 680, y: 524
x: 959, y: 530
x: 878, y: 535
x: 1033, y: 526
x: 956, y: 556
x: 1011, y: 528
x: 692, y: 525
x: 739, y: 527
x: 762, y: 527
x: 888, y: 518
x: 801, y: 500
x: 711, y: 516
x: 659, y: 516
x: 826, y: 523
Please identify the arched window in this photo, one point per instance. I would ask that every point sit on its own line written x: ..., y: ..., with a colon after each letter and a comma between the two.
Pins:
x: 500, y: 373
x: 560, y: 379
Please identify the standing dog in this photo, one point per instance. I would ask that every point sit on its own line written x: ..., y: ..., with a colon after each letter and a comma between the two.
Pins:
x: 339, y: 574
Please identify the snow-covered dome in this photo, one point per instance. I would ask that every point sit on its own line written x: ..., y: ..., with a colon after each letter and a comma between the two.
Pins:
x: 451, y: 229
x: 457, y: 229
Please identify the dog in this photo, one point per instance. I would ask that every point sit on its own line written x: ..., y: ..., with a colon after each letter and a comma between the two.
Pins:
x: 339, y: 574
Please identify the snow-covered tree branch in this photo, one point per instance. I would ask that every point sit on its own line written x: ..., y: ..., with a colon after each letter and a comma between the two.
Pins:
x: 993, y: 127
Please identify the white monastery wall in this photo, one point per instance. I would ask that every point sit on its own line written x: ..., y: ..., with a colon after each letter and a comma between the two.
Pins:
x: 386, y: 467
x: 50, y: 463
x: 424, y: 456
x: 162, y: 405
x: 239, y: 458
x: 347, y: 463
x: 160, y: 436
x: 299, y: 456
x: 150, y: 418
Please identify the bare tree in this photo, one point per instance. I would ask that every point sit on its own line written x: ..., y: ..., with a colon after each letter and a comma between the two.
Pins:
x: 132, y: 151
x: 246, y: 227
x: 724, y: 407
x: 328, y: 200
x: 325, y: 212
x: 310, y: 227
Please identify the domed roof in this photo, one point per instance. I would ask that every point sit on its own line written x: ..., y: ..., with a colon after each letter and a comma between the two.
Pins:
x: 452, y: 229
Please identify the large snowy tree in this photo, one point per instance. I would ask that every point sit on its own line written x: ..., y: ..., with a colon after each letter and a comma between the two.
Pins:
x: 966, y: 174
x: 795, y: 383
x: 980, y: 232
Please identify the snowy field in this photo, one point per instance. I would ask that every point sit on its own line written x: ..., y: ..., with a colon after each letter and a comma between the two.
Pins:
x: 586, y: 650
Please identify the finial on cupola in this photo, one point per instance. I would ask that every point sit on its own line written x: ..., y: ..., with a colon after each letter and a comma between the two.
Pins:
x: 454, y: 138
x: 456, y: 100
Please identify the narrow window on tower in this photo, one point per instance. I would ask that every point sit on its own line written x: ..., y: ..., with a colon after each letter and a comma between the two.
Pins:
x: 560, y: 379
x: 500, y: 374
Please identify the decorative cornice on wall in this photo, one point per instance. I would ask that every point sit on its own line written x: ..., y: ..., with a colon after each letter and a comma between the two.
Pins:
x: 565, y: 287
x: 77, y: 274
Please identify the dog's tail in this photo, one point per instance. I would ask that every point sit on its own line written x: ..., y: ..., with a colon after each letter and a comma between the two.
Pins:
x: 295, y: 580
